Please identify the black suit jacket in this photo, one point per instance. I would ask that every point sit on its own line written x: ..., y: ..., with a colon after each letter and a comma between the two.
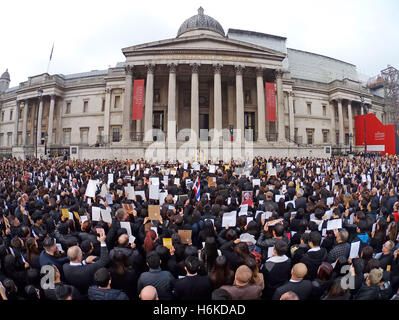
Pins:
x: 303, y: 289
x: 193, y: 288
x: 81, y: 277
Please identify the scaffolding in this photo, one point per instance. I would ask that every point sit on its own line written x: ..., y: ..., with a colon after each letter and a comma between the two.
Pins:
x: 390, y: 78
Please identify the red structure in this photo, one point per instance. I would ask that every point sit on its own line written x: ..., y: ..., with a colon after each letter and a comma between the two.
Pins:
x: 380, y: 138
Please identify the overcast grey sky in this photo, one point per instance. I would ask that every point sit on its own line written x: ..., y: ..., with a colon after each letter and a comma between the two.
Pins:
x: 89, y: 34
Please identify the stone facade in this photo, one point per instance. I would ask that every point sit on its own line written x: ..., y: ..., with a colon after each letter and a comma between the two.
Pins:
x: 198, y: 84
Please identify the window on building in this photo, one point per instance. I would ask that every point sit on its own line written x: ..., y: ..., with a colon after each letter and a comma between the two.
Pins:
x: 287, y: 132
x: 84, y: 135
x: 2, y: 116
x: 68, y: 108
x: 100, y: 137
x: 309, y: 107
x: 293, y: 104
x: 28, y: 140
x: 337, y: 137
x: 11, y: 114
x: 336, y: 113
x: 54, y: 135
x: 117, y: 103
x: 9, y: 139
x: 67, y: 137
x: 325, y: 136
x: 85, y: 106
x: 157, y: 95
x: 309, y: 134
x: 103, y: 105
x: 116, y: 134
x: 1, y: 139
x: 324, y: 111
x: 296, y: 134
x: 20, y: 114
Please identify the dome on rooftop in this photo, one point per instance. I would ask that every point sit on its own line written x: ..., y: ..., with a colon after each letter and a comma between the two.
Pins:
x: 201, y: 22
x: 5, y: 76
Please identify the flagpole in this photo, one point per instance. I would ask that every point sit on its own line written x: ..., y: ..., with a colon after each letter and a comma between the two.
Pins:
x: 51, y: 56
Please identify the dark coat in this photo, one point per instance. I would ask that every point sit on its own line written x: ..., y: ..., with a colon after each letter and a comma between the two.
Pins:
x: 96, y: 293
x: 163, y: 281
x: 313, y: 260
x: 303, y: 289
x: 193, y: 288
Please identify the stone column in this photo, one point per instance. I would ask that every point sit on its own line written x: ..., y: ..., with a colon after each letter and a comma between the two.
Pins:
x: 361, y: 110
x: 217, y: 102
x: 172, y: 104
x: 240, y: 104
x: 39, y: 123
x: 291, y: 115
x: 107, y: 109
x: 340, y: 123
x: 260, y: 89
x: 127, y: 106
x: 280, y: 105
x: 149, y: 100
x: 51, y: 121
x: 350, y: 118
x: 332, y: 117
x: 16, y: 121
x: 231, y: 104
x: 25, y: 123
x: 194, y: 103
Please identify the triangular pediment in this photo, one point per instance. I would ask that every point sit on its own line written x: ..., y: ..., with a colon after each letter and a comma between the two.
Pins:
x: 203, y: 43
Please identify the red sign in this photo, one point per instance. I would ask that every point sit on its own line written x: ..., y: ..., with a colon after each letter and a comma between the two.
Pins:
x: 138, y: 97
x: 380, y: 138
x: 271, y: 101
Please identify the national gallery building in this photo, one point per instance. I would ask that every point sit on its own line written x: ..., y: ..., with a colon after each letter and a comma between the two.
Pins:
x: 205, y: 88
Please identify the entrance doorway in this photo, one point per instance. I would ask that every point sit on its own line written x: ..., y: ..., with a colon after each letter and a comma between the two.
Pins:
x: 249, y: 125
x: 204, y: 126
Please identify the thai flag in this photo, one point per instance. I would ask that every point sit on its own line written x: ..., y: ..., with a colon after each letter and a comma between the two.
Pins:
x: 197, y: 189
x: 75, y: 190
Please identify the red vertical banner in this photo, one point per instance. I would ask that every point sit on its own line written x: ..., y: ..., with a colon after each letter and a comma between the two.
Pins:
x: 271, y: 101
x: 138, y: 99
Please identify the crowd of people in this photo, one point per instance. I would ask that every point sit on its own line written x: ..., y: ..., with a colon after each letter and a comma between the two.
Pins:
x: 271, y: 229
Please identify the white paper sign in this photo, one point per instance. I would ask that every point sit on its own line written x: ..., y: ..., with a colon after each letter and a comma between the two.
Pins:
x: 91, y: 188
x: 256, y: 182
x: 288, y: 202
x: 330, y: 201
x: 212, y: 169
x: 95, y: 213
x: 126, y: 225
x: 106, y: 215
x: 154, y: 181
x: 140, y: 193
x: 278, y: 197
x: 355, y: 246
x: 334, y: 224
x: 229, y: 219
x: 110, y: 179
x: 130, y: 193
x: 162, y: 196
x: 154, y: 192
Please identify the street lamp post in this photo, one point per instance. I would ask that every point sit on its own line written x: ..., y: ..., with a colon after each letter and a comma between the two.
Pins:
x: 350, y: 142
x: 39, y: 95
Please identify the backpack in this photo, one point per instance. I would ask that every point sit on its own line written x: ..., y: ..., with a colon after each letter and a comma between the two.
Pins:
x: 256, y: 252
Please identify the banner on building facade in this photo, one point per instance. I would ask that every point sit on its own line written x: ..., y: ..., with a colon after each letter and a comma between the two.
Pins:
x: 138, y: 99
x: 271, y: 101
x: 379, y: 137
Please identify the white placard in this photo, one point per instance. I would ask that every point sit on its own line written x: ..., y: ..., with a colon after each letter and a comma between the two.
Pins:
x: 273, y: 172
x: 154, y: 181
x: 177, y: 181
x: 328, y: 214
x: 334, y: 224
x: 126, y: 225
x: 162, y: 196
x: 106, y: 215
x: 132, y: 239
x: 154, y: 192
x: 130, y: 193
x: 330, y: 201
x: 196, y: 166
x: 95, y: 213
x: 266, y: 215
x: 243, y: 210
x: 249, y: 219
x: 355, y: 246
x: 229, y: 219
x: 91, y: 188
x: 256, y: 182
x: 212, y: 169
